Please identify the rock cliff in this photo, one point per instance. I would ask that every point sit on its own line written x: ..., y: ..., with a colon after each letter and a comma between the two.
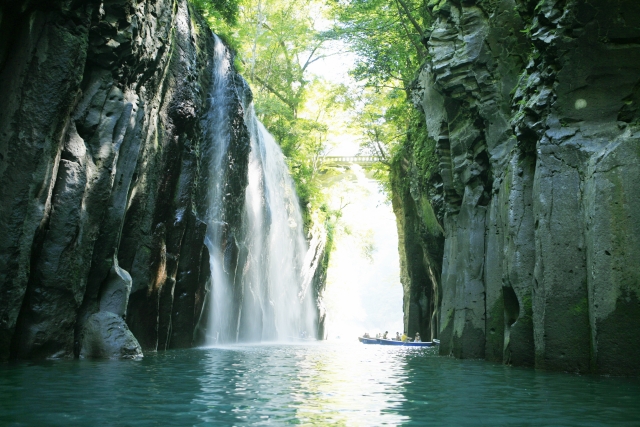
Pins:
x: 531, y: 108
x: 102, y: 143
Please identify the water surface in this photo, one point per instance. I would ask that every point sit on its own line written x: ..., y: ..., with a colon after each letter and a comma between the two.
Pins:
x: 313, y: 384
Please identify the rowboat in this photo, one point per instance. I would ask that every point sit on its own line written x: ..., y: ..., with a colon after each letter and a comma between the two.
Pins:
x: 406, y: 344
x: 400, y: 343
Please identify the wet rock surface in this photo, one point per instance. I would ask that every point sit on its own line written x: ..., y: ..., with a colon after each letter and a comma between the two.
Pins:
x: 101, y: 155
x: 532, y: 110
x: 106, y: 336
x: 420, y: 242
x: 114, y: 295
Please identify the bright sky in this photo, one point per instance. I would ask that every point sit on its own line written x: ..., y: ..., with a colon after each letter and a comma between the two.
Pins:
x: 363, y: 295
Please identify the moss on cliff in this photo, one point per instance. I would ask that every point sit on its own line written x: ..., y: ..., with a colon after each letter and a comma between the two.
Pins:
x: 412, y: 173
x: 529, y: 137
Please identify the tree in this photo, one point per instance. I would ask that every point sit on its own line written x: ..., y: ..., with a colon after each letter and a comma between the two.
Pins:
x: 222, y: 15
x: 279, y: 42
x: 388, y: 37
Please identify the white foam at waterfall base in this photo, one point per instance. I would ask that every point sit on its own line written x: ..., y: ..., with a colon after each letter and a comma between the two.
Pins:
x: 273, y: 301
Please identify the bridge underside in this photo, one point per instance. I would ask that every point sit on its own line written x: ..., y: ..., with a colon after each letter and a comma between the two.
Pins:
x: 347, y: 160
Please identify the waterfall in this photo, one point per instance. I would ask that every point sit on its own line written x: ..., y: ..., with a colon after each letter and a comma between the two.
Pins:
x: 268, y: 297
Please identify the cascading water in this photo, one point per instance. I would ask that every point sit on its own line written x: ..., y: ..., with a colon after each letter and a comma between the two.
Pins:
x: 268, y: 296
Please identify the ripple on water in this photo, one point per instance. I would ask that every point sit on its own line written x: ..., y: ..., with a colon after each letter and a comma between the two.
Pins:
x: 313, y: 384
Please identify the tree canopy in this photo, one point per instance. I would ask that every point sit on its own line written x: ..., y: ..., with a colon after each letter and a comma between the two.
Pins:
x: 386, y: 35
x: 277, y: 43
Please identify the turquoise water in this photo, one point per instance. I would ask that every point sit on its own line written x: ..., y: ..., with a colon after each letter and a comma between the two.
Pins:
x: 314, y: 384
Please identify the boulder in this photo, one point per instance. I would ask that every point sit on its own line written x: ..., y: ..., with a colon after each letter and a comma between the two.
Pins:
x: 106, y: 336
x: 114, y: 295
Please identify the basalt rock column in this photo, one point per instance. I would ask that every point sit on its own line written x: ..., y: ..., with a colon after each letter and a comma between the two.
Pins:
x: 100, y: 153
x: 577, y: 110
x: 532, y: 107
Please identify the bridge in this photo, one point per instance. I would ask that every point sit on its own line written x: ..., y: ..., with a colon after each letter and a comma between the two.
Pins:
x: 345, y: 160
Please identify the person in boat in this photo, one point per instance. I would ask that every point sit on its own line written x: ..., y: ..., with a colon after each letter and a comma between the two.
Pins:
x: 405, y: 338
x: 366, y: 335
x: 384, y: 337
x: 398, y: 338
x: 417, y: 337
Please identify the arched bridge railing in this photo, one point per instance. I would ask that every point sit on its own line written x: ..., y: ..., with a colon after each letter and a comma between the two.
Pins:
x: 360, y: 160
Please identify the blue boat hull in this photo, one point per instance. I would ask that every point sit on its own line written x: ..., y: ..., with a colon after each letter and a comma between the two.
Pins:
x: 419, y: 344
x: 405, y: 344
x: 368, y: 340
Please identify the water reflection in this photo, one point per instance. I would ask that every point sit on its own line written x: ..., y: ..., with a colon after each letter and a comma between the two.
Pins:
x: 346, y: 391
x: 323, y: 384
x: 300, y: 384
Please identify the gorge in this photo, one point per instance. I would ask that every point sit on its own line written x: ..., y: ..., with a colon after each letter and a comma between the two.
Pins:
x: 141, y: 196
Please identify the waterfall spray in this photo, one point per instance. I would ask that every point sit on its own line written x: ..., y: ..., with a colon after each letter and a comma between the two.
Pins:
x: 268, y: 295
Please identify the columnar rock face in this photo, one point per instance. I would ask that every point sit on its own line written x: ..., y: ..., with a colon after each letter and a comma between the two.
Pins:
x: 101, y: 146
x: 533, y: 109
x: 420, y: 243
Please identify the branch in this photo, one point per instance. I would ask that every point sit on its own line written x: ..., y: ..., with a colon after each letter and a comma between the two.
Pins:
x: 384, y: 159
x: 375, y: 86
x: 381, y: 150
x: 399, y: 135
x: 285, y: 51
x: 317, y: 58
x: 309, y: 61
x: 379, y: 146
x: 276, y: 93
x: 418, y: 47
x: 413, y: 21
x: 342, y: 206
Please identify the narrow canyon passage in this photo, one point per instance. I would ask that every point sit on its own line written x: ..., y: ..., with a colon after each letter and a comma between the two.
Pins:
x: 205, y: 205
x: 363, y: 292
